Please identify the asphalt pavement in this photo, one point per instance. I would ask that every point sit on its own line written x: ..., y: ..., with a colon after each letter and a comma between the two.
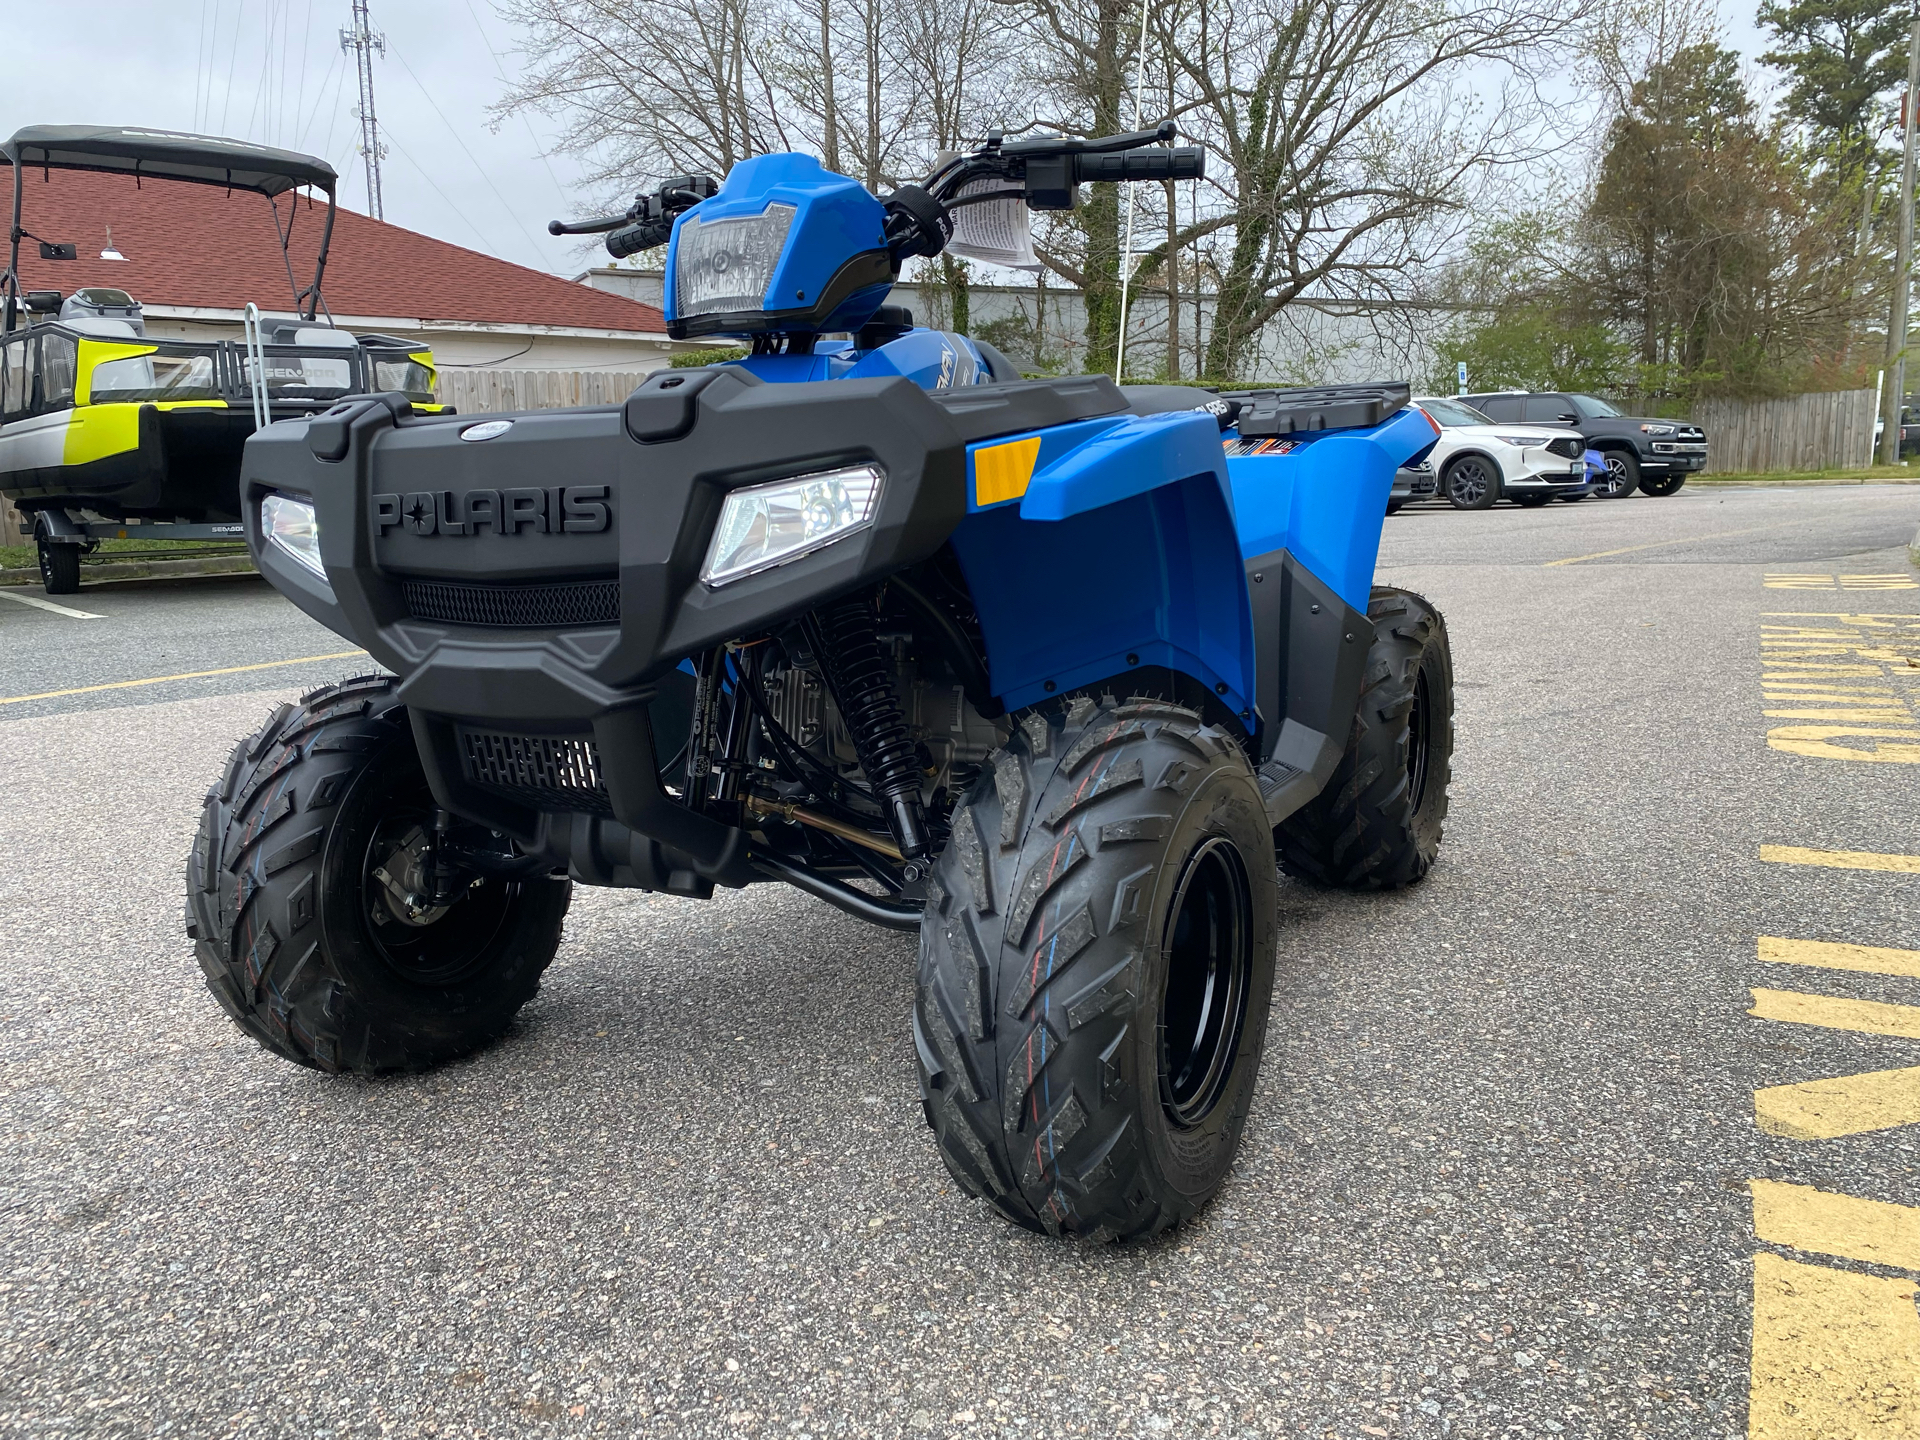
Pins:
x: 1497, y: 1180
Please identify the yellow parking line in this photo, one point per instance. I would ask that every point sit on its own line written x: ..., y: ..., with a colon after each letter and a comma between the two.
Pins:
x: 1833, y: 1012
x: 1866, y: 959
x: 1827, y: 1223
x: 1844, y: 1105
x: 1834, y: 1354
x: 188, y: 675
x: 1684, y: 540
x: 1841, y: 859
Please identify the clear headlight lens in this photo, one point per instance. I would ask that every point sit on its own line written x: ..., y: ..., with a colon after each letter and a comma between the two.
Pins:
x: 1522, y: 440
x: 1656, y: 429
x: 722, y: 266
x: 290, y: 524
x: 766, y: 525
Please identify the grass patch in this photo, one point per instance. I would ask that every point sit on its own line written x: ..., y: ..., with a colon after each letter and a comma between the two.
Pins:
x: 1813, y: 477
x: 21, y: 557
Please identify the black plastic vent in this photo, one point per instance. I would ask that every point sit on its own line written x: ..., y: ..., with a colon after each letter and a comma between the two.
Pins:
x: 1571, y: 446
x: 547, y: 772
x: 566, y: 604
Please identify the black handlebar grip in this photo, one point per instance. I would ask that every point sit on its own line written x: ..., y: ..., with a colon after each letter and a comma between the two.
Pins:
x: 1187, y: 162
x: 635, y: 238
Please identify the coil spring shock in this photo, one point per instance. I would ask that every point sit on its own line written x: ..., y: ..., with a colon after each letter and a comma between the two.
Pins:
x: 848, y: 645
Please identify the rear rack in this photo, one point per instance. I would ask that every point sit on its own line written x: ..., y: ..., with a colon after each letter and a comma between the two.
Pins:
x: 1329, y: 407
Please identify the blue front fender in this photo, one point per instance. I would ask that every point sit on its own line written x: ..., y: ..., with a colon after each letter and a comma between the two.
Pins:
x: 1118, y: 552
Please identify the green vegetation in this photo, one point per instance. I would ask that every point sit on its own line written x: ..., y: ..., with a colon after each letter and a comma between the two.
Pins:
x: 19, y: 557
x: 1715, y: 251
x: 1815, y: 477
x: 694, y: 359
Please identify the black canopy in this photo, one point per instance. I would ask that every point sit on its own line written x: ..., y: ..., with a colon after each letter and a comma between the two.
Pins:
x: 168, y: 155
x: 164, y: 155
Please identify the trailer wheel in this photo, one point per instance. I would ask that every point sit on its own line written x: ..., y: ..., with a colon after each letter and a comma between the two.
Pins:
x: 1377, y: 825
x: 59, y: 568
x: 301, y: 893
x: 1096, y: 964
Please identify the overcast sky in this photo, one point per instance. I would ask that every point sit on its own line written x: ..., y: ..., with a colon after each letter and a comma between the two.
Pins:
x: 272, y: 71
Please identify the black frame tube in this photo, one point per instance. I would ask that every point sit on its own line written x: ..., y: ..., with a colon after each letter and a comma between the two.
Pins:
x: 10, y: 292
x: 842, y: 897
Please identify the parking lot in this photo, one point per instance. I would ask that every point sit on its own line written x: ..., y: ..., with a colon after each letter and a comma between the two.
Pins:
x: 1499, y: 1180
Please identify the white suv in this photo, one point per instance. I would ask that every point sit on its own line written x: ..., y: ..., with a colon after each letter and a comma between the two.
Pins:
x: 1474, y: 461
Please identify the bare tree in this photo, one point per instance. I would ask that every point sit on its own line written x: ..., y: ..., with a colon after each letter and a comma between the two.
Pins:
x: 1353, y: 138
x: 652, y: 85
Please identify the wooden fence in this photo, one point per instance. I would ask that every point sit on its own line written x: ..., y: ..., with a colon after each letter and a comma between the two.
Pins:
x: 478, y: 391
x: 1802, y: 432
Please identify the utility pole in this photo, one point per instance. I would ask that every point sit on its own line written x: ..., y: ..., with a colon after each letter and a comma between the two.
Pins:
x: 363, y: 40
x: 1903, y: 265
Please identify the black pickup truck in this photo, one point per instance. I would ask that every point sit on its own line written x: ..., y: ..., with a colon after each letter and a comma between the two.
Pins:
x: 1650, y: 454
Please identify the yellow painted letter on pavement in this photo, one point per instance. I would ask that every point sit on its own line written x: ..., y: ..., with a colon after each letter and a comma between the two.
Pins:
x: 1902, y: 746
x: 1836, y: 1356
x: 1827, y: 1223
x: 1828, y: 955
x: 1844, y: 1105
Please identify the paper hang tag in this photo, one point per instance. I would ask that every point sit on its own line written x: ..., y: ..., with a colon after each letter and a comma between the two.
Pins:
x: 994, y: 232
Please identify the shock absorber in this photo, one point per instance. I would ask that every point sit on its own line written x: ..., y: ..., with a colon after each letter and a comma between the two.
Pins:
x: 846, y: 641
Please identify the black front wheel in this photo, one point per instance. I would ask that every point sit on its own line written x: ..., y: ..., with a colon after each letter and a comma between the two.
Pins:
x: 1663, y: 486
x: 1096, y: 964
x: 328, y: 911
x: 1532, y: 502
x: 1623, y: 475
x: 59, y: 568
x: 1472, y: 483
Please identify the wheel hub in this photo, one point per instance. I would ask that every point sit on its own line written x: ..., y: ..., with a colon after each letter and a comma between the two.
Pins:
x: 1209, y: 958
x: 402, y: 887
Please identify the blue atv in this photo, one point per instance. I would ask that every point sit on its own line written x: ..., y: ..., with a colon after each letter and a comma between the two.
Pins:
x: 1050, y: 672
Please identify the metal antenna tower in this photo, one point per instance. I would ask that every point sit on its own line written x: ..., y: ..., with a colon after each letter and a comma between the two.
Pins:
x: 363, y: 40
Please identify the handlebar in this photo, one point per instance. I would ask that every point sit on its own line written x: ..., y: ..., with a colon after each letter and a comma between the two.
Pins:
x: 1188, y: 162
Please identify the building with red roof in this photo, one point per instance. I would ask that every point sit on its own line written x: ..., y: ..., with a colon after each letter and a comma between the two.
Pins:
x: 194, y: 255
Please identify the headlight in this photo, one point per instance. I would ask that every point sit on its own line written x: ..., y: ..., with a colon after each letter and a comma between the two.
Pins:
x: 1656, y: 429
x: 290, y: 524
x: 721, y: 266
x: 766, y: 525
x: 1521, y: 440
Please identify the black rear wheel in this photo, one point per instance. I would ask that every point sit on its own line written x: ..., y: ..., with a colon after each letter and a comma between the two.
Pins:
x: 1378, y: 823
x: 313, y: 904
x: 1096, y: 965
x: 59, y: 568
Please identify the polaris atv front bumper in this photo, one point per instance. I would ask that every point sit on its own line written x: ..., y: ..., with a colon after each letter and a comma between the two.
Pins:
x: 535, y: 580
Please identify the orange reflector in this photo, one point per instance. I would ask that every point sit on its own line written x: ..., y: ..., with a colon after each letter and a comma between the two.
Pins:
x: 1002, y: 472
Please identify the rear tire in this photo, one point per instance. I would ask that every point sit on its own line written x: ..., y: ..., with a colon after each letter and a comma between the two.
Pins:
x: 1471, y: 483
x: 1096, y: 965
x: 59, y: 568
x: 1378, y: 823
x: 301, y: 943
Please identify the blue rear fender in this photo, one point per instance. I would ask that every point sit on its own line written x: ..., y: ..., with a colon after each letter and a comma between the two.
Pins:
x: 1322, y: 498
x: 1100, y: 547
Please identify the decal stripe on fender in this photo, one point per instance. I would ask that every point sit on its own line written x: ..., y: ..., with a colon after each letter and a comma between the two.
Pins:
x: 1003, y: 472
